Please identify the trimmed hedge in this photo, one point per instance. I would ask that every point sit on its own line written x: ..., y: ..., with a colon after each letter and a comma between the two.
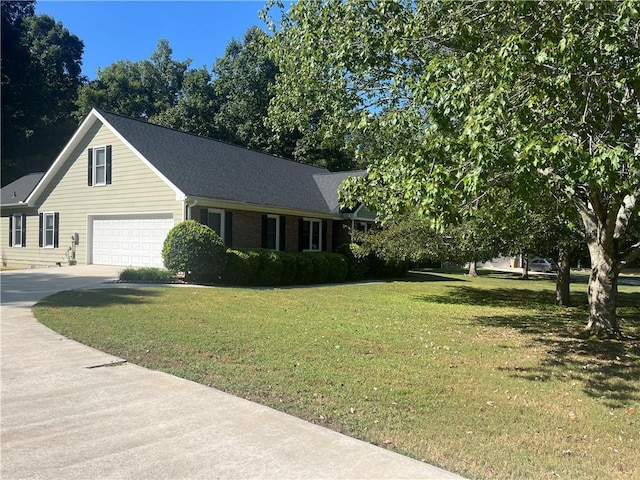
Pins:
x: 271, y: 268
x: 147, y: 275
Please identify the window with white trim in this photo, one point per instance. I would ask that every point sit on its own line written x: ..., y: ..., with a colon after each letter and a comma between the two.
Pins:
x: 311, y: 235
x: 18, y: 226
x: 49, y: 230
x: 99, y: 166
x: 215, y: 219
x: 272, y: 232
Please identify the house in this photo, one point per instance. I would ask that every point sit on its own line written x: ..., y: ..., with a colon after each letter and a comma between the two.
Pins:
x: 121, y: 184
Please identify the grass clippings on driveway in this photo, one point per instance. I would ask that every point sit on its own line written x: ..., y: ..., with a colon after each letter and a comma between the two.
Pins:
x: 484, y: 377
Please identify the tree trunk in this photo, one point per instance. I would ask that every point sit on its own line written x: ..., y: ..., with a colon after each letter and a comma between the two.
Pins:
x: 563, y: 279
x: 602, y: 293
x: 605, y: 227
x: 525, y: 267
x: 472, y: 269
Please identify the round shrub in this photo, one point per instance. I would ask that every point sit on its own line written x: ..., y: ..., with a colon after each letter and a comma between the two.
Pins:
x: 241, y: 268
x: 195, y: 249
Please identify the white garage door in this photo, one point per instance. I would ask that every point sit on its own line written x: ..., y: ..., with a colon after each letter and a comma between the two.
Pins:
x: 130, y: 241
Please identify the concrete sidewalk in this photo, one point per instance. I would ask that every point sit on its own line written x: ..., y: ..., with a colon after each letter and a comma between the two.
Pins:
x: 72, y: 412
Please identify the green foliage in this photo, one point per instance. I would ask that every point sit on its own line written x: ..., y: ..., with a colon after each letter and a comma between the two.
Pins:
x: 450, y: 103
x: 139, y: 89
x: 147, y: 275
x: 241, y: 267
x: 357, y: 262
x: 289, y: 267
x: 195, y: 249
x: 41, y: 74
x: 364, y: 262
x: 272, y: 268
x: 304, y: 269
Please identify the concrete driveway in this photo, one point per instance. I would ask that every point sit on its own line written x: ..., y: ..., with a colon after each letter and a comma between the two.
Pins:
x: 72, y: 412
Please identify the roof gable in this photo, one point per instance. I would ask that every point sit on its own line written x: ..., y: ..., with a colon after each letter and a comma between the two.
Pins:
x: 207, y: 168
x: 201, y: 167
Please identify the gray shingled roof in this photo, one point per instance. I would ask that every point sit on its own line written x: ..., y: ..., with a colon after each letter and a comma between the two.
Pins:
x: 203, y: 167
x: 19, y: 190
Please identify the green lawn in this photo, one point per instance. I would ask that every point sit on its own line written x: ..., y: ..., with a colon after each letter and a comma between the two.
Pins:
x: 485, y: 377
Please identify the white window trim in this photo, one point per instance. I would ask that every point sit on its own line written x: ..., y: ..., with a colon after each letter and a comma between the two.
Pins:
x: 222, y: 219
x: 44, y: 230
x: 312, y: 221
x: 94, y: 166
x: 17, y: 239
x: 277, y: 219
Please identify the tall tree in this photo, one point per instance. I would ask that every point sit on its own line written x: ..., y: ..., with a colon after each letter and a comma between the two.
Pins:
x: 41, y: 74
x: 139, y: 89
x: 464, y: 96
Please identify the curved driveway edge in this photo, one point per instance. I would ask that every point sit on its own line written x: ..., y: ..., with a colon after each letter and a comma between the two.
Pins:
x: 63, y: 419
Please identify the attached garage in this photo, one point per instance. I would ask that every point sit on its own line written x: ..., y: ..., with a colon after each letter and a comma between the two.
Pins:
x: 128, y: 240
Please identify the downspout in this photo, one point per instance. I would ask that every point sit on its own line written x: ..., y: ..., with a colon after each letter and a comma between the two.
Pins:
x: 189, y: 206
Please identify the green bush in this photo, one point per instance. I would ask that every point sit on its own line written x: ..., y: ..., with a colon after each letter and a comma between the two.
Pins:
x: 338, y: 268
x: 320, y: 267
x: 270, y: 270
x: 266, y: 267
x: 195, y: 249
x: 241, y: 267
x: 357, y: 261
x: 381, y: 268
x: 289, y: 267
x: 147, y: 275
x: 304, y: 269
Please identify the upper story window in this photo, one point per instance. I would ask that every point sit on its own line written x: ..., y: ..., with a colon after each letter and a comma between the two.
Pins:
x: 99, y: 166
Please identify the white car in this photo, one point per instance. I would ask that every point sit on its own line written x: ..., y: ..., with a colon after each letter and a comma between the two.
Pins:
x: 543, y: 265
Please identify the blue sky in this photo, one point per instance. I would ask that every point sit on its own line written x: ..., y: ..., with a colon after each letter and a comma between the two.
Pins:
x: 130, y: 30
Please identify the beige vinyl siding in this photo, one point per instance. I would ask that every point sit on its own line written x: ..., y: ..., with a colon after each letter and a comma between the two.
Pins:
x: 19, y: 256
x: 135, y: 189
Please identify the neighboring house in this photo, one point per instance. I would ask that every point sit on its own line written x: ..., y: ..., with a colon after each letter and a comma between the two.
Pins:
x: 121, y: 184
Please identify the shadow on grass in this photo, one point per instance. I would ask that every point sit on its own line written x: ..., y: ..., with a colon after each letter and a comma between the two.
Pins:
x: 98, y: 298
x: 608, y: 369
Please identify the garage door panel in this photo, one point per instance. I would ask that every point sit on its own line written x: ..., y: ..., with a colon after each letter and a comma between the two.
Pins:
x: 130, y: 241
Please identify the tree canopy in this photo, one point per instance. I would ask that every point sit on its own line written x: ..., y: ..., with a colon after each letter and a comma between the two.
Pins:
x: 447, y: 101
x: 41, y: 74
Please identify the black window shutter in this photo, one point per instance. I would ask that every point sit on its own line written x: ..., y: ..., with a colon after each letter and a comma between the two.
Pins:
x: 24, y: 230
x: 56, y: 228
x: 108, y: 173
x: 301, y: 245
x: 228, y: 228
x: 283, y: 221
x: 90, y: 167
x: 40, y: 227
x: 11, y: 231
x: 204, y: 216
x: 264, y: 231
x: 324, y: 235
